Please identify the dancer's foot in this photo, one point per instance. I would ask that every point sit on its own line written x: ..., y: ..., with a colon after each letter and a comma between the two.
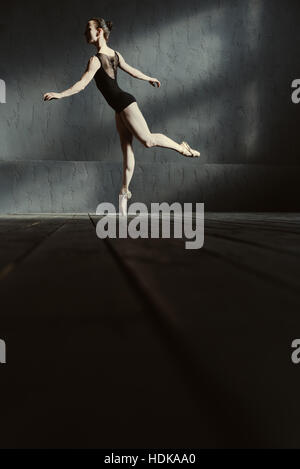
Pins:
x: 188, y: 151
x: 122, y: 205
x: 124, y: 195
x: 126, y: 192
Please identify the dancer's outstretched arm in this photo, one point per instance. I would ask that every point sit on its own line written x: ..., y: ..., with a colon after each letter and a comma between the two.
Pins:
x: 92, y: 67
x: 136, y: 73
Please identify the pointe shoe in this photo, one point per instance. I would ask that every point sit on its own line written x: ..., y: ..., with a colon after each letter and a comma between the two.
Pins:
x: 123, y: 197
x: 122, y: 205
x: 188, y: 151
x: 127, y: 193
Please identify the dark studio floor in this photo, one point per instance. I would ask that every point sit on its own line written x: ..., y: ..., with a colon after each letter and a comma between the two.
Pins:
x: 140, y: 343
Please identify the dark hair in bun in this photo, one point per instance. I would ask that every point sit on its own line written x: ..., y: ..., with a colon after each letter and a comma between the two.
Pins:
x: 109, y: 24
x: 105, y: 25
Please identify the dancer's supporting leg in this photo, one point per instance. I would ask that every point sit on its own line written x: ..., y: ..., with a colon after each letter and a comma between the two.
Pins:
x: 126, y: 138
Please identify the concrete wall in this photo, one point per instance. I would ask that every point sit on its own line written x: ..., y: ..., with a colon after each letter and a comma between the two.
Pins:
x: 226, y: 68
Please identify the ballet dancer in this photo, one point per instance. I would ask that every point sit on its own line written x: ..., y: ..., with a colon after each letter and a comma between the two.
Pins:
x: 128, y: 116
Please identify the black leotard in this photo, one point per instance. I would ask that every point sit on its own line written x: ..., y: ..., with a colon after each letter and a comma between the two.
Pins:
x: 106, y: 81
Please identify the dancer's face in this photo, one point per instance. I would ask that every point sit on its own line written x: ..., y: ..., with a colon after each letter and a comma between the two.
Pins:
x: 91, y: 32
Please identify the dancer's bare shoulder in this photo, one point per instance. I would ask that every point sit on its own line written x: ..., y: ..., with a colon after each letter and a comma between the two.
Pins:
x: 124, y: 65
x: 93, y: 64
x: 91, y: 68
x: 122, y: 62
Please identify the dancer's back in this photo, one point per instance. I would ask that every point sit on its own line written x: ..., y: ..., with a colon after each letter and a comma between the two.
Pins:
x: 106, y: 81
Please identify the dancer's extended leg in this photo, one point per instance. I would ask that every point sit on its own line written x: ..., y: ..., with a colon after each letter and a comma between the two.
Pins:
x: 135, y: 122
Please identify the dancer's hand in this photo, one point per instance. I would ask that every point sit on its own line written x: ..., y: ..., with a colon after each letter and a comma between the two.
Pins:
x: 154, y: 81
x: 52, y: 95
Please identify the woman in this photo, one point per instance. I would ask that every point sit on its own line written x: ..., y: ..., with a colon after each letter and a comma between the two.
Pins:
x: 129, y: 119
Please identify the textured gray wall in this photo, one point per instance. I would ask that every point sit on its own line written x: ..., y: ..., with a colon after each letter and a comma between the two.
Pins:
x: 226, y: 68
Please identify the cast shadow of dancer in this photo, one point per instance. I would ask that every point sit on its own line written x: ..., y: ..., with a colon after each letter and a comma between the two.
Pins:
x: 128, y: 116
